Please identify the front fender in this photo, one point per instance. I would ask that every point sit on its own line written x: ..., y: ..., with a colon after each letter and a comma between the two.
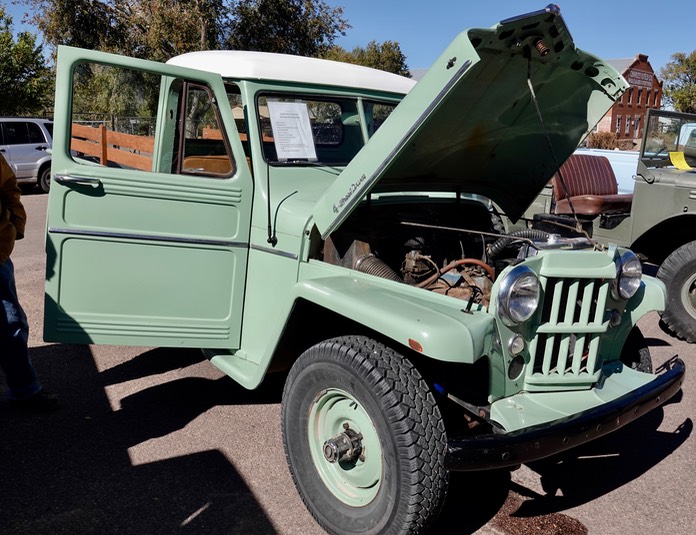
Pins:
x: 438, y: 324
x: 650, y: 297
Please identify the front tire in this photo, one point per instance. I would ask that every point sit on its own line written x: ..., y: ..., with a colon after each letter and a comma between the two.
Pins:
x: 394, y: 480
x: 678, y: 272
x: 636, y: 353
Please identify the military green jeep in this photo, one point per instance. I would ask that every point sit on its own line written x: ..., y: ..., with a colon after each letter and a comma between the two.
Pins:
x: 335, y: 223
x: 658, y: 221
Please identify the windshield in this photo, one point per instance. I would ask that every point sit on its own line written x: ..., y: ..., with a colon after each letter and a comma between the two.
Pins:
x: 317, y: 130
x: 669, y: 140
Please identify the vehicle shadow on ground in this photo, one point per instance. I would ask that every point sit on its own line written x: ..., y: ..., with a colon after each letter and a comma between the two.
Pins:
x: 167, y: 407
x: 570, y: 479
x: 70, y: 472
x: 473, y: 499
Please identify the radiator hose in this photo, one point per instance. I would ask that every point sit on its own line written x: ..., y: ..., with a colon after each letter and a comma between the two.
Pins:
x: 501, y: 244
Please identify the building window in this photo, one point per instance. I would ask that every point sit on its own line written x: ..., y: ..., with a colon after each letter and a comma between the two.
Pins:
x: 628, y: 125
x: 629, y: 98
x: 636, y: 126
x: 618, y: 124
x: 640, y: 94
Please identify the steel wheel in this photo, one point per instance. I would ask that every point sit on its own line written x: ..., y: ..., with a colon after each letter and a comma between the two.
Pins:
x: 355, y: 481
x: 364, y: 439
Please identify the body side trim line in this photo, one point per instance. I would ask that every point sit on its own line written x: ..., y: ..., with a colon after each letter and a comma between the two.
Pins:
x: 145, y: 237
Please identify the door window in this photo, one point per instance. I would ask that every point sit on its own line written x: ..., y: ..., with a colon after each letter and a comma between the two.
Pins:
x: 115, y: 123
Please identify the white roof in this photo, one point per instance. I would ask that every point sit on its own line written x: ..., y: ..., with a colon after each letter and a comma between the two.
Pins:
x: 242, y: 65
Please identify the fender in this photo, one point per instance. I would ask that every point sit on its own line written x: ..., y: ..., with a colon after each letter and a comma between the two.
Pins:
x: 439, y: 324
x: 650, y: 297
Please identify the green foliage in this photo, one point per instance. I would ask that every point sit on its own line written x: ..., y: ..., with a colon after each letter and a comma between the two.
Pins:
x: 679, y: 77
x: 84, y: 23
x: 301, y: 27
x: 386, y: 57
x: 25, y: 80
x: 155, y: 29
x: 106, y: 90
x: 160, y: 29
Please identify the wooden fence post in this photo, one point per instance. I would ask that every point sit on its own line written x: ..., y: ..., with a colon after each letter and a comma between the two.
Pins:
x: 103, y: 159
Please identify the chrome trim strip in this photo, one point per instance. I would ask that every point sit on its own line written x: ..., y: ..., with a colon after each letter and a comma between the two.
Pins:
x: 145, y: 237
x: 269, y: 250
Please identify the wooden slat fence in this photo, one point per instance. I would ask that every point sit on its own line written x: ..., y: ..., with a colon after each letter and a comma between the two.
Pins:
x: 108, y: 146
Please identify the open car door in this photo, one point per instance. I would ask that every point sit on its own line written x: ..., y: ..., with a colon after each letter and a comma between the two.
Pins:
x: 149, y: 210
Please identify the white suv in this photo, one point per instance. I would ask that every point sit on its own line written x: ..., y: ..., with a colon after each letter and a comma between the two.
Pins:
x: 24, y: 142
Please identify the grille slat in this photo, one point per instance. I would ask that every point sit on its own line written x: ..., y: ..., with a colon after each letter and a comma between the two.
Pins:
x: 563, y: 354
x: 571, y: 303
x: 566, y: 349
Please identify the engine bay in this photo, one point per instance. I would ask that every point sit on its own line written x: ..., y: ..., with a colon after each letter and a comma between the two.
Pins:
x: 452, y: 247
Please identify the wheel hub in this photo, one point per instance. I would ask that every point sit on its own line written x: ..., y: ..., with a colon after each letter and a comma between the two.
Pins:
x: 688, y: 296
x: 344, y: 447
x: 340, y: 433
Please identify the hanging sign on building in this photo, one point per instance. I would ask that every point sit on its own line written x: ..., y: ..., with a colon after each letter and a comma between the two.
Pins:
x: 640, y: 78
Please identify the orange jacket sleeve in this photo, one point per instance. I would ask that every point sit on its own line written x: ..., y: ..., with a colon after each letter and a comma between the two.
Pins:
x: 13, y: 217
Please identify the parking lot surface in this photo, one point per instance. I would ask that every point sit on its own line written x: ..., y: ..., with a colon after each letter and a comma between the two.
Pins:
x: 158, y: 441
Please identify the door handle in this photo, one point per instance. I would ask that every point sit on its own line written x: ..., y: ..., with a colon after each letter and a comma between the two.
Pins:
x: 41, y: 147
x: 68, y: 180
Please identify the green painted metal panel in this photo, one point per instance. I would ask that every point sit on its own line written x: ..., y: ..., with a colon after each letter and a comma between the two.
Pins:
x: 470, y: 122
x: 145, y: 257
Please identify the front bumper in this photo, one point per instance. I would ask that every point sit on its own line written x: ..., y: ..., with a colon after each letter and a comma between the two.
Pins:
x: 502, y: 450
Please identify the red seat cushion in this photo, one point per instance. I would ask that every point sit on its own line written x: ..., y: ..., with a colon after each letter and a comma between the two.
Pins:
x: 591, y: 185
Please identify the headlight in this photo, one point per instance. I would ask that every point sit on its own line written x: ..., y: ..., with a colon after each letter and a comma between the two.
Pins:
x: 628, y: 275
x: 518, y: 297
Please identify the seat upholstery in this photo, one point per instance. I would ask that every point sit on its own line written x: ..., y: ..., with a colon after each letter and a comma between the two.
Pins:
x: 591, y: 187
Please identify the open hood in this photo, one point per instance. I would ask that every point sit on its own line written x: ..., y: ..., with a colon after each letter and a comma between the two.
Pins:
x: 471, y: 126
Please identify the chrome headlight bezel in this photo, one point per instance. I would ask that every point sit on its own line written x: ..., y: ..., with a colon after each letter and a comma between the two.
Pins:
x: 518, y: 295
x: 629, y: 274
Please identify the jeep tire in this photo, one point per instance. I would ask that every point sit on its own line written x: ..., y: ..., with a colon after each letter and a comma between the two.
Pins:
x: 395, y: 482
x: 678, y: 272
x: 636, y: 353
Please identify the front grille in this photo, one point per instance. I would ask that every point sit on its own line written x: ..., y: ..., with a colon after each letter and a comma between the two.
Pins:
x: 565, y: 350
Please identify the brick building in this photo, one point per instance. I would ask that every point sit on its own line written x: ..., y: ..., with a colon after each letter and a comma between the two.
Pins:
x: 627, y: 117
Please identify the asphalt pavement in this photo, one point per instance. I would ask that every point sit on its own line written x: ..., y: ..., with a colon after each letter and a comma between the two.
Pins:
x: 157, y: 441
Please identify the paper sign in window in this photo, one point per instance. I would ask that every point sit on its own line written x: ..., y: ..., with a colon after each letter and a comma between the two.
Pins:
x: 292, y: 131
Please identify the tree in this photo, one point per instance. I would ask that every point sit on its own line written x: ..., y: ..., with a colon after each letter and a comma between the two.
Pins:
x: 386, y: 57
x: 679, y: 77
x: 160, y: 29
x: 82, y: 23
x: 155, y: 29
x: 25, y: 80
x: 301, y: 27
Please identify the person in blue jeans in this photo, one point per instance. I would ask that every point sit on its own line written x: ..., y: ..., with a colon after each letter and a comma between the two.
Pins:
x: 24, y: 386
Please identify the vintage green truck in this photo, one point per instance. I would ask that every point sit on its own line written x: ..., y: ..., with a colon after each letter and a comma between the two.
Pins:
x: 335, y: 223
x: 657, y: 220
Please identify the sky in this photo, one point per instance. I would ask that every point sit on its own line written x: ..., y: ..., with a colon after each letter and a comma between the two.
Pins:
x: 608, y: 29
